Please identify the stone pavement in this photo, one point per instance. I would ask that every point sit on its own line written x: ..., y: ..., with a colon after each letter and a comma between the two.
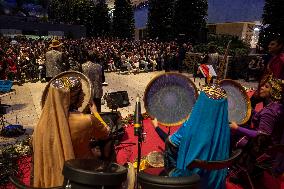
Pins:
x: 25, y: 104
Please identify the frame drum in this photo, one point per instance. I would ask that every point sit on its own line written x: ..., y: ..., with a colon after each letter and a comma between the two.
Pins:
x: 155, y: 159
x: 170, y: 97
x: 239, y: 105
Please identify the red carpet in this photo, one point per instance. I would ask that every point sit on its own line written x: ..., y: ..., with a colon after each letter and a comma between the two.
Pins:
x: 128, y: 152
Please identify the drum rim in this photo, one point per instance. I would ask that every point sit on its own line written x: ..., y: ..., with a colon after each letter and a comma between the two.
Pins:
x: 151, y: 83
x: 242, y: 89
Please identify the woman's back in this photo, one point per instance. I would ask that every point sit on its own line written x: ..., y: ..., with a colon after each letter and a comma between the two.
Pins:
x: 83, y: 128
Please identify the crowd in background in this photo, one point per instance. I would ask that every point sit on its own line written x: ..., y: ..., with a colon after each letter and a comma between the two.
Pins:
x: 24, y: 59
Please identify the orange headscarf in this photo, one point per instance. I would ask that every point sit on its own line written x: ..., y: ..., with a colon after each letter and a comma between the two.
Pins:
x: 52, y: 142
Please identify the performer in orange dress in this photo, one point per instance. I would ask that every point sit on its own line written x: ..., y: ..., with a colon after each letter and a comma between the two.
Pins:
x: 63, y: 133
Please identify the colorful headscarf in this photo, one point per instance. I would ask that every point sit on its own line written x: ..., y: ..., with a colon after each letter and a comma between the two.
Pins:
x: 67, y: 83
x: 276, y: 87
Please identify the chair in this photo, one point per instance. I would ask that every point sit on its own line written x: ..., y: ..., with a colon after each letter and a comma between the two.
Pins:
x: 272, y: 151
x: 93, y: 174
x: 215, y: 165
x: 264, y: 162
x: 157, y: 178
x: 261, y: 154
x: 20, y: 185
x: 277, y: 148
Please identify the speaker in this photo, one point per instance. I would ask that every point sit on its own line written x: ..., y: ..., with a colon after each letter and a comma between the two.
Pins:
x: 117, y: 99
x: 3, y: 109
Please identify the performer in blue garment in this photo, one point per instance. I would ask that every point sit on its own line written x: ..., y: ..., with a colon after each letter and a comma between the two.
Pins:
x: 205, y: 135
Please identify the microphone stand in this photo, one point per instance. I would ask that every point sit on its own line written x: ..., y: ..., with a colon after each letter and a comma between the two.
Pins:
x: 140, y: 140
x: 138, y: 131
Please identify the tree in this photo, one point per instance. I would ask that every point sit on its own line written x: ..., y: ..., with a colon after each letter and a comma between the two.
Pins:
x: 20, y: 3
x: 101, y: 19
x: 1, y: 8
x: 19, y: 6
x: 123, y: 19
x: 190, y: 17
x: 43, y: 3
x: 84, y: 14
x: 273, y: 21
x: 54, y: 10
x: 160, y: 19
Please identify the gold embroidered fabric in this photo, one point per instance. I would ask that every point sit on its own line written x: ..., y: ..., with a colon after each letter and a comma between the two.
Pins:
x: 276, y: 85
x: 214, y: 91
x: 67, y: 83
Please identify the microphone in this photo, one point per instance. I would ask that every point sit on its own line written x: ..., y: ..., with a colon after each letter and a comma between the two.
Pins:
x: 137, y: 117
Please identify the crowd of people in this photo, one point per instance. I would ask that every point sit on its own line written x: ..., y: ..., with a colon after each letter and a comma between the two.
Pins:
x: 25, y: 59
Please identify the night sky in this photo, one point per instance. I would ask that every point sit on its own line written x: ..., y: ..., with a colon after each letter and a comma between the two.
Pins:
x: 234, y: 10
x: 220, y: 11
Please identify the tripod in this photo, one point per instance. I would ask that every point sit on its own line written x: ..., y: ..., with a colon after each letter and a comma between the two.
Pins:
x: 3, y: 108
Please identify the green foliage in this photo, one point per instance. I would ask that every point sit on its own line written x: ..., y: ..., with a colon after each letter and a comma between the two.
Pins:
x: 237, y: 46
x: 44, y: 19
x: 84, y: 12
x: 43, y: 3
x: 54, y: 10
x: 10, y: 155
x: 123, y: 19
x: 101, y: 19
x: 160, y: 17
x: 190, y: 17
x: 273, y: 21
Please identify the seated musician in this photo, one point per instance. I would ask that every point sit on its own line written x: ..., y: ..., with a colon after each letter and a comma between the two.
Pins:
x: 205, y: 135
x: 63, y: 133
x: 267, y: 127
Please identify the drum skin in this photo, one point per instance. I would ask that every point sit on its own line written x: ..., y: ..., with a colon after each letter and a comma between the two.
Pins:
x: 170, y: 98
x: 239, y: 105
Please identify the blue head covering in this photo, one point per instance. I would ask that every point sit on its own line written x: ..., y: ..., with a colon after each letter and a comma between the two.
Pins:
x: 206, y: 136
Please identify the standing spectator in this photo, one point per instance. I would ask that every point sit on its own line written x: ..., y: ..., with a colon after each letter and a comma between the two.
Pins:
x: 276, y: 64
x: 74, y: 65
x: 54, y: 60
x: 41, y: 68
x: 275, y: 67
x: 181, y: 56
x: 94, y: 72
x: 168, y: 58
x: 11, y: 64
x: 2, y: 65
x: 212, y: 58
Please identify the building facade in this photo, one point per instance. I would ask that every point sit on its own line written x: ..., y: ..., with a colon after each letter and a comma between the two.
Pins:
x: 13, y: 25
